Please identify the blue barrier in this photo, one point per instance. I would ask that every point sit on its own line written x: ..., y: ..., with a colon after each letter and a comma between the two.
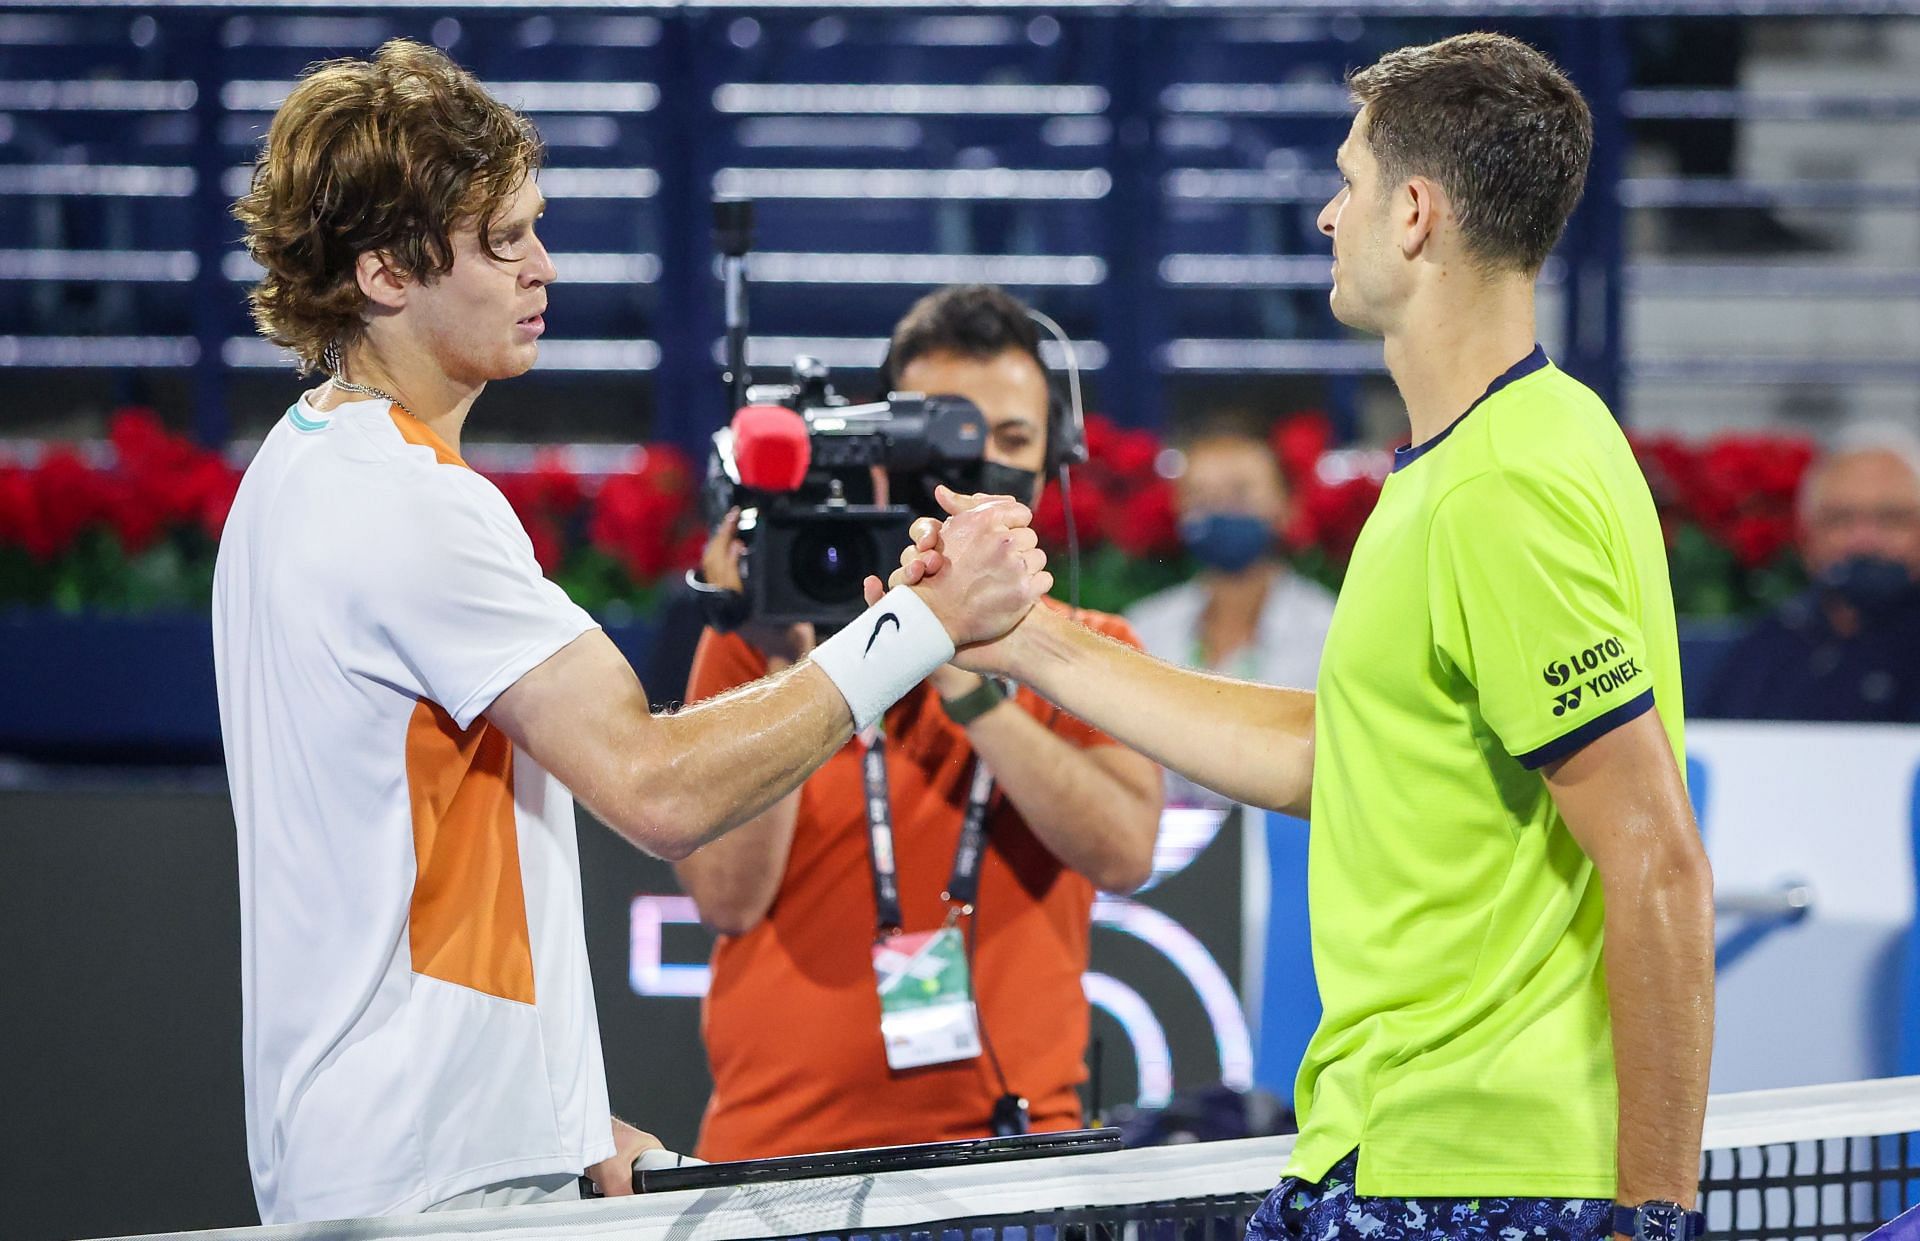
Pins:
x: 1290, y: 996
x: 132, y: 689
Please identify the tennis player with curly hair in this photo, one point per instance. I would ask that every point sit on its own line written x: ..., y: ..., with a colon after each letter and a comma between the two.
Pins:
x: 409, y: 708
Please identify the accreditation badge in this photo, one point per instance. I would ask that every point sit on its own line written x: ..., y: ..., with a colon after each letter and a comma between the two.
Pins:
x: 926, y: 999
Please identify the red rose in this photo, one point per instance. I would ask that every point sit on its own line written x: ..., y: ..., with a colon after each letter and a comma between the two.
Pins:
x: 1329, y: 515
x: 1133, y: 454
x: 1298, y: 443
x: 216, y: 502
x: 1102, y: 438
x: 693, y: 545
x: 663, y: 467
x: 1089, y: 514
x: 638, y: 524
x: 143, y: 446
x: 1757, y: 539
x: 1147, y: 522
x: 1782, y: 469
x: 19, y: 508
x: 70, y: 496
x: 548, y: 548
x: 521, y: 495
x: 556, y: 489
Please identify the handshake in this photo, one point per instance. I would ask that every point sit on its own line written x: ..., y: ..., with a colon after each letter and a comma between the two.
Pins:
x: 980, y: 571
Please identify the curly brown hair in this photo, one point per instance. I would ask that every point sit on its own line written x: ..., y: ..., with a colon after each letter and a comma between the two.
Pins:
x: 1495, y: 123
x: 392, y: 155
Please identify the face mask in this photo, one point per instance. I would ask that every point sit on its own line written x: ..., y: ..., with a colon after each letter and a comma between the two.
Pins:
x: 1228, y: 542
x: 1868, y: 581
x: 1005, y: 480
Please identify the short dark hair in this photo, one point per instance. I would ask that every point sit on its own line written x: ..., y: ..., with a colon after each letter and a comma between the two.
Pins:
x: 1497, y: 125
x: 978, y: 321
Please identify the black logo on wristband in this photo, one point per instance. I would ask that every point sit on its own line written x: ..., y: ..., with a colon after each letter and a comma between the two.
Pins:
x: 875, y: 635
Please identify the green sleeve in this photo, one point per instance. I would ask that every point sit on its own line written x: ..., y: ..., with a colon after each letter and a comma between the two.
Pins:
x: 1531, y: 611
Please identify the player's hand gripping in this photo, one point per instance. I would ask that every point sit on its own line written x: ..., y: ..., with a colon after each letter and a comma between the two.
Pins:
x: 958, y: 558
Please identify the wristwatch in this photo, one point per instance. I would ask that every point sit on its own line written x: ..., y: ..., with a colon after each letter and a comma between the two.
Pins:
x: 975, y: 703
x: 1659, y: 1221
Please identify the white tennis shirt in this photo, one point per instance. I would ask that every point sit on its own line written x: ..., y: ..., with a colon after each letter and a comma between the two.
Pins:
x: 418, y: 1011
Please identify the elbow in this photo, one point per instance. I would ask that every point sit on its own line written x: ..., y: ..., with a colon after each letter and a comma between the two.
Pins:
x: 658, y: 822
x: 667, y: 844
x: 1128, y: 870
x: 730, y: 921
x: 1680, y: 864
x: 1676, y: 871
x: 1123, y: 878
x: 724, y: 905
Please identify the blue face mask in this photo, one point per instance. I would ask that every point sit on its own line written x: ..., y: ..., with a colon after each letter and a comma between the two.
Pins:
x: 1869, y: 581
x: 1228, y: 542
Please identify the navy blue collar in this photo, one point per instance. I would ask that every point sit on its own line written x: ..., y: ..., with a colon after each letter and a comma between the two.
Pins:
x: 1537, y: 360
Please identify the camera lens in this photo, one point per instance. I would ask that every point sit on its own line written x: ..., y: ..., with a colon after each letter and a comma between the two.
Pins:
x: 829, y: 564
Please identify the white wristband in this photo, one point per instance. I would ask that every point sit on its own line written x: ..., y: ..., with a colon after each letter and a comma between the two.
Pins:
x: 884, y: 652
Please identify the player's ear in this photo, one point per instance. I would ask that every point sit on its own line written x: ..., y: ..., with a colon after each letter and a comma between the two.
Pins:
x: 381, y: 279
x: 1421, y: 205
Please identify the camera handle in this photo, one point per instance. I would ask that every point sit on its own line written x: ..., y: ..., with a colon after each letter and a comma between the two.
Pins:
x: 733, y: 238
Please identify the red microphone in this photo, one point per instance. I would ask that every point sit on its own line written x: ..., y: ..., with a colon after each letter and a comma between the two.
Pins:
x: 770, y: 448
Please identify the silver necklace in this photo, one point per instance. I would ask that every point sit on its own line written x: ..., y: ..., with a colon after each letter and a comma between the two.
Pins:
x: 338, y: 382
x: 331, y: 360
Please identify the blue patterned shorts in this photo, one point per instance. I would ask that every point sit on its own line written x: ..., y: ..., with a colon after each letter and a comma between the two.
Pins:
x: 1332, y: 1211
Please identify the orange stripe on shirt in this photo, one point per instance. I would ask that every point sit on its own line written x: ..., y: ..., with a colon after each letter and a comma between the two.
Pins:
x: 467, y: 924
x: 415, y: 431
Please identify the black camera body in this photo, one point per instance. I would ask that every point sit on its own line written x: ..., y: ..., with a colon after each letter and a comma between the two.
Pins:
x: 871, y: 470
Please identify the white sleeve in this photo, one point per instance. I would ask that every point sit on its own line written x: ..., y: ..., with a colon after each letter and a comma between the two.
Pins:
x: 462, y: 602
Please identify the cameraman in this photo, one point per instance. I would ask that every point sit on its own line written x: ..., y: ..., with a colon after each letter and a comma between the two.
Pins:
x: 793, y: 1020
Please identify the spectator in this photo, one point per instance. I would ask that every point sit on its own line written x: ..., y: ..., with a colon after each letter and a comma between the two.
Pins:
x: 1849, y: 647
x: 793, y: 1019
x: 1246, y: 614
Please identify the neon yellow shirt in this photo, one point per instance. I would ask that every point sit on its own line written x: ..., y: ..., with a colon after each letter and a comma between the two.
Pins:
x: 1507, y: 603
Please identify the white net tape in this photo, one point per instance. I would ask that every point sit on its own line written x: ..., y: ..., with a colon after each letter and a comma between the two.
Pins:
x: 894, y: 1200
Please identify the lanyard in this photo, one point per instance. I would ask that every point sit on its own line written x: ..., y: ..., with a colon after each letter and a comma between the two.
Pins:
x: 963, y: 884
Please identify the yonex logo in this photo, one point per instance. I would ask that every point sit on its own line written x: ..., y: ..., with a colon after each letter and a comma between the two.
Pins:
x: 1593, y: 673
x: 877, y: 626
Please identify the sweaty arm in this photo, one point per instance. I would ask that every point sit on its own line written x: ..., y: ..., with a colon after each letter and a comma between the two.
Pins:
x: 733, y: 880
x: 1252, y: 743
x: 1623, y: 799
x: 669, y: 783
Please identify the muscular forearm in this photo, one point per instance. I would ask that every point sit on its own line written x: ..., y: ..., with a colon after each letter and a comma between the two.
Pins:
x: 722, y: 762
x: 1090, y: 818
x: 1659, y: 960
x: 1252, y: 743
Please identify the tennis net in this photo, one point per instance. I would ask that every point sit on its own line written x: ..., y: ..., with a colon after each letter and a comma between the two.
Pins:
x: 1821, y: 1163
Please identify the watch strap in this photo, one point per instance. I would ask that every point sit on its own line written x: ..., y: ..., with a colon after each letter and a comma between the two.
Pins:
x: 1626, y: 1221
x: 975, y: 703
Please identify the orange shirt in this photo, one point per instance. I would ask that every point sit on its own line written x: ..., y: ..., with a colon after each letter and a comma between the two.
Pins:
x: 792, y: 1019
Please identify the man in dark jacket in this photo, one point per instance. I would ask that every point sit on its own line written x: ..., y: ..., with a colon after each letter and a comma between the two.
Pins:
x: 1849, y: 648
